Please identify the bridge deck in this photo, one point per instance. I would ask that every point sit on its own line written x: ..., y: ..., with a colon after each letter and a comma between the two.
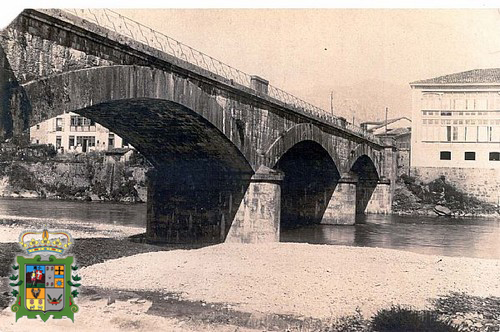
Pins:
x: 186, y: 57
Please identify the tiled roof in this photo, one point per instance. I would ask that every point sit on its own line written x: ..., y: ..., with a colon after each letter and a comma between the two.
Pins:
x: 491, y: 75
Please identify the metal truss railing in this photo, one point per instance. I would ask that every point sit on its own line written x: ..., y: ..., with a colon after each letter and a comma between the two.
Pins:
x: 125, y: 26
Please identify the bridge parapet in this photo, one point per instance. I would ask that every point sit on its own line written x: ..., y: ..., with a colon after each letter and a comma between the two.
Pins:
x: 122, y: 25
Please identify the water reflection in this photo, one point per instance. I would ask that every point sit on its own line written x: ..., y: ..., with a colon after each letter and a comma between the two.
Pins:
x: 93, y: 212
x: 469, y: 237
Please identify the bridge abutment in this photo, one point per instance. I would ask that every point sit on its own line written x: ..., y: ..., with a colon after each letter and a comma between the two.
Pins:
x: 258, y: 217
x: 341, y: 209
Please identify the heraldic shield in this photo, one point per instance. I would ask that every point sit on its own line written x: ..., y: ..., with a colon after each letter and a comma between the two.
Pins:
x: 45, y: 281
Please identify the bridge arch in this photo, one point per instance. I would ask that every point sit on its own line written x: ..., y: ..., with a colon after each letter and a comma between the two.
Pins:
x: 310, y: 178
x: 201, y: 174
x: 359, y: 151
x: 86, y: 91
x: 299, y: 133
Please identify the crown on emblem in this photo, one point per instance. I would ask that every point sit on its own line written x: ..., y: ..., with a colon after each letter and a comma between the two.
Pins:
x: 54, y: 242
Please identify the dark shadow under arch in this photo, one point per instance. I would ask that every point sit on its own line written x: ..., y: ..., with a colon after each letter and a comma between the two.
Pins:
x: 310, y: 180
x: 200, y: 177
x: 365, y: 172
x: 296, y: 134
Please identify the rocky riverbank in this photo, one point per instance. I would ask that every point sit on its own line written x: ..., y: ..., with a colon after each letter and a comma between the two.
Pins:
x: 439, y: 197
x: 91, y: 177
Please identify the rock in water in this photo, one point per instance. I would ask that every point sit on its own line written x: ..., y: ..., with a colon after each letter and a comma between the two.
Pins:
x: 442, y: 210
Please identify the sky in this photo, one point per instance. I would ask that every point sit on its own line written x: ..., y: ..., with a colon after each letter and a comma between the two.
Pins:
x: 365, y: 56
x: 310, y: 52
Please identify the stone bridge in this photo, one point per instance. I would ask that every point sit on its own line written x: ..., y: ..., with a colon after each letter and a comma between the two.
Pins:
x: 235, y: 159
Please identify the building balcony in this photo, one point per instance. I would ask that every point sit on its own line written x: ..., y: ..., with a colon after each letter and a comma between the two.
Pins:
x: 82, y: 128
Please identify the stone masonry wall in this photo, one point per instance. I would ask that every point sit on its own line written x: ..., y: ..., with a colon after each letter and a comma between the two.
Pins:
x: 483, y: 184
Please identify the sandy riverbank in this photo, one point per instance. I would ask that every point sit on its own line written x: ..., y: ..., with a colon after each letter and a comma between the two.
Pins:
x: 300, y: 279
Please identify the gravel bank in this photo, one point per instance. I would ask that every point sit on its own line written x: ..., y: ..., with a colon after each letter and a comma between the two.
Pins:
x: 11, y: 227
x: 299, y: 279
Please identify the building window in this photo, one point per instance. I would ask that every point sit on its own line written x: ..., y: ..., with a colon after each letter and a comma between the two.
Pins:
x: 37, y: 127
x: 59, y: 124
x: 495, y: 156
x: 85, y: 142
x: 445, y: 155
x: 71, y: 141
x: 455, y: 133
x: 448, y: 133
x: 111, y: 141
x: 80, y: 123
x: 470, y: 134
x: 470, y: 156
x: 482, y: 134
x: 58, y: 142
x: 469, y: 104
x: 445, y: 113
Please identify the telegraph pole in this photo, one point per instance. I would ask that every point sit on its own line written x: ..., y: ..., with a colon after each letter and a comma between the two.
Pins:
x: 331, y: 102
x: 386, y: 111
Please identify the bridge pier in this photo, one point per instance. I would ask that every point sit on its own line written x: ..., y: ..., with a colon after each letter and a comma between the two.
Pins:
x: 381, y: 199
x: 258, y: 217
x: 186, y: 205
x: 353, y: 197
x: 341, y: 209
x: 201, y: 207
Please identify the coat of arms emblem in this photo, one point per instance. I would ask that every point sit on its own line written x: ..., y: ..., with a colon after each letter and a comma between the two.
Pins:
x: 45, y: 281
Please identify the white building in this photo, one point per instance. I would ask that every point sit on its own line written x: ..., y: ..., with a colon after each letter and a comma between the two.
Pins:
x: 70, y: 132
x: 456, y: 130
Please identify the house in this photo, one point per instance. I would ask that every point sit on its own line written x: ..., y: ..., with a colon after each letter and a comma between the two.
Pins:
x: 456, y: 131
x: 70, y: 132
x: 400, y: 130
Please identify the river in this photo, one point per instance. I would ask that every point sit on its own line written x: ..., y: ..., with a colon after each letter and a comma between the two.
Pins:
x: 467, y: 237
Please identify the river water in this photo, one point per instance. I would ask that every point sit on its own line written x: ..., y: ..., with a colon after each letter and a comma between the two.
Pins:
x: 468, y: 237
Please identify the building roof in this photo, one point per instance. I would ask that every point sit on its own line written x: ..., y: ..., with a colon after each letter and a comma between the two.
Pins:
x: 481, y: 76
x: 396, y: 132
x: 399, y: 131
x: 379, y: 124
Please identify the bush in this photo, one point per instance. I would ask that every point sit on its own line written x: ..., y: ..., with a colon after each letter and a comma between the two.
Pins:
x: 352, y: 323
x: 398, y: 319
x: 20, y: 177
